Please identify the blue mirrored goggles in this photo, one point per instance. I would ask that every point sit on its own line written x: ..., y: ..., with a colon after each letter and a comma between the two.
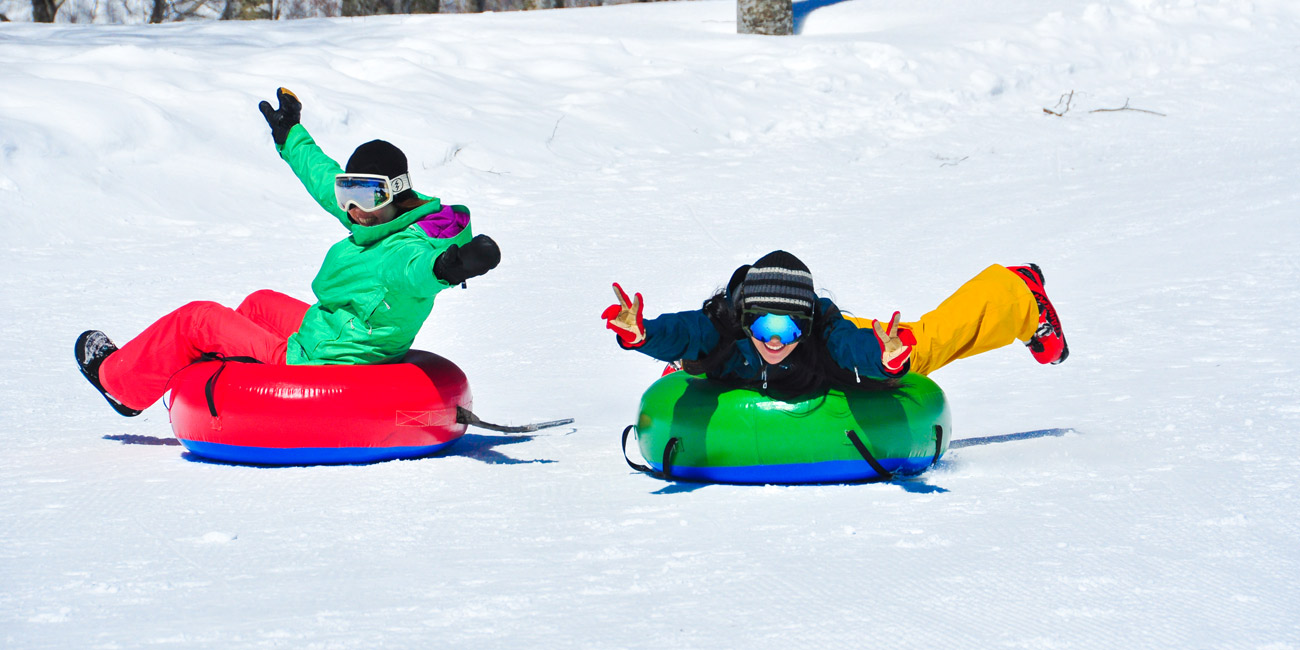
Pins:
x: 766, y: 326
x: 368, y: 191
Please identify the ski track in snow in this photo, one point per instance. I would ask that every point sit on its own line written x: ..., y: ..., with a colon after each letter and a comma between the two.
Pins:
x: 897, y: 148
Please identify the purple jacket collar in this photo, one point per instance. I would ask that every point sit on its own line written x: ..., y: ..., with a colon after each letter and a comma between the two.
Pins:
x: 445, y: 223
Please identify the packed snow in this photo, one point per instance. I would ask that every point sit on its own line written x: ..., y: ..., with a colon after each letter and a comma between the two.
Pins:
x: 898, y: 147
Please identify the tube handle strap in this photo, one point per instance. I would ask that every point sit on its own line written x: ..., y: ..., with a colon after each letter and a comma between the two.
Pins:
x: 210, y: 388
x: 938, y: 444
x: 866, y: 455
x: 669, y: 450
x: 636, y: 466
x: 668, y: 457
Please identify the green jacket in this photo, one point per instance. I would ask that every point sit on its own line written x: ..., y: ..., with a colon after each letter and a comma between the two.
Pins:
x: 375, y: 289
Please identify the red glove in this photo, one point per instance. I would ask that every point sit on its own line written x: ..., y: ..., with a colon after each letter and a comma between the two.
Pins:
x: 895, y: 344
x: 625, y: 319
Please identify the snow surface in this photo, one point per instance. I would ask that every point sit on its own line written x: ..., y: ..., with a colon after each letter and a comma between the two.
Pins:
x: 897, y: 146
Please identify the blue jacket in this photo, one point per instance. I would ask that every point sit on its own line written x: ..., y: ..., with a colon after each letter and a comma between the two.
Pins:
x: 690, y: 335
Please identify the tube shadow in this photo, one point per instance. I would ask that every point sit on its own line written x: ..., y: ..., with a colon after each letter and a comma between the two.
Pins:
x: 470, y: 445
x: 131, y: 439
x: 678, y: 487
x: 1023, y: 435
x: 914, y: 485
x: 802, y: 9
x: 917, y: 486
x: 482, y: 448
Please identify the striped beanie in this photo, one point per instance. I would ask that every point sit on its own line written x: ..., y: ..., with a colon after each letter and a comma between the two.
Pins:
x: 780, y: 282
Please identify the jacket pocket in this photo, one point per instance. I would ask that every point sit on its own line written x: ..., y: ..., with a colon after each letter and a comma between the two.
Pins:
x: 372, y: 306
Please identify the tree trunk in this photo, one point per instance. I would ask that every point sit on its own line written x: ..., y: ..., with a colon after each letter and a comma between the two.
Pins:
x: 386, y: 7
x: 159, y: 11
x: 460, y: 6
x: 769, y: 17
x: 43, y: 11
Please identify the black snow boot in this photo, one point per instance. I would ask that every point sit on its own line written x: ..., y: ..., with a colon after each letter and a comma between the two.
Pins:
x: 91, y: 349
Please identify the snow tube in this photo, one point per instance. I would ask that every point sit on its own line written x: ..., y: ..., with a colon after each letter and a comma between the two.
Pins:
x: 306, y: 415
x: 695, y: 429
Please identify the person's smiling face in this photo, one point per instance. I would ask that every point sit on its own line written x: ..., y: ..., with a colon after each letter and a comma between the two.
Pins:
x: 363, y: 218
x: 773, y: 351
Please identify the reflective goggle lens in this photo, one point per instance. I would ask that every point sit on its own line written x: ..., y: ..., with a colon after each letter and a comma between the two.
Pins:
x: 365, y: 191
x: 782, y: 327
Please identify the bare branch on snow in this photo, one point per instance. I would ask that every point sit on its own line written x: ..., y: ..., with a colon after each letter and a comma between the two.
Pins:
x: 1126, y: 107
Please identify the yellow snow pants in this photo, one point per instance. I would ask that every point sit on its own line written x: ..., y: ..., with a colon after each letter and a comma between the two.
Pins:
x: 991, y: 310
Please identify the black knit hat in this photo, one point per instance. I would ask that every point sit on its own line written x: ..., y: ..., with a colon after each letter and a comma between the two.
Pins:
x: 780, y: 282
x: 382, y: 158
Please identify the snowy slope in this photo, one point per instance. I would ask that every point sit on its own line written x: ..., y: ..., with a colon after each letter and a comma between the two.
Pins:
x: 896, y: 147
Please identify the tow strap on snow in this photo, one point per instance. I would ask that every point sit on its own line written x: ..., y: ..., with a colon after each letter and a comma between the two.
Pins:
x: 866, y: 455
x: 667, y: 463
x: 465, y: 416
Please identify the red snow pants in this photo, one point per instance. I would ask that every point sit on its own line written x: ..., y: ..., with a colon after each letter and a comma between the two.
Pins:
x: 137, y: 374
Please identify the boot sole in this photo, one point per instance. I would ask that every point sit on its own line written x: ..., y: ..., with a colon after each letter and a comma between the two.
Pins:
x: 79, y: 346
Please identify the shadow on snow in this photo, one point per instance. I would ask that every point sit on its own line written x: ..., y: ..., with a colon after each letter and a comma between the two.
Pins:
x: 481, y: 447
x: 1009, y: 437
x: 130, y: 439
x: 916, y: 485
x: 471, y: 445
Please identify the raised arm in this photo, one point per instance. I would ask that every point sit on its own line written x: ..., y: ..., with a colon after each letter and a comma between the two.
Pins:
x: 882, y: 352
x: 670, y: 337
x: 313, y: 168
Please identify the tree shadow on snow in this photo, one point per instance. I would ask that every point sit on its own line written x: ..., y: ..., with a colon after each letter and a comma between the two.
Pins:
x: 129, y: 439
x: 1009, y: 437
x: 802, y: 9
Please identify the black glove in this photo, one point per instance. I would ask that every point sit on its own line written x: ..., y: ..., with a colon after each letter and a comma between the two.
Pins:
x: 283, y: 119
x: 459, y: 263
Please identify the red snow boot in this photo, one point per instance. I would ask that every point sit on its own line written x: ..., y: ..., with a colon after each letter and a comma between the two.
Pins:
x: 1048, y: 343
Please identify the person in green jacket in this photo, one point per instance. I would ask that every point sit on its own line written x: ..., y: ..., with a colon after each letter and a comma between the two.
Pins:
x: 374, y: 289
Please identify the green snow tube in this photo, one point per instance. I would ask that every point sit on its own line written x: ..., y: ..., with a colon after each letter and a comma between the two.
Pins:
x: 694, y: 429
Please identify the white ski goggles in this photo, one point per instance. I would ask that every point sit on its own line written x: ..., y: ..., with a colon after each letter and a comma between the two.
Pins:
x: 368, y: 192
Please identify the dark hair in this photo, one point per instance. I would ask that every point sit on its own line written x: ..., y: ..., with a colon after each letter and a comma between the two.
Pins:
x: 811, y: 368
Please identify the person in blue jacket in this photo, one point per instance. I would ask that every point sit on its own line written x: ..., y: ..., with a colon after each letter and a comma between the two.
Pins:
x: 768, y: 330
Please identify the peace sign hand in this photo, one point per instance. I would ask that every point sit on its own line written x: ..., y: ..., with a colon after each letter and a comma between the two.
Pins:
x: 895, y: 344
x: 625, y: 318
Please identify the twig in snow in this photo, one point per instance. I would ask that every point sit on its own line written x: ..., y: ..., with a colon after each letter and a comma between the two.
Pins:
x: 553, y: 132
x: 456, y: 152
x: 1125, y: 107
x: 701, y: 225
x: 1065, y: 99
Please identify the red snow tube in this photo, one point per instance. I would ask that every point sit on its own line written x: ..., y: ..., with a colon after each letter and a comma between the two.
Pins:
x: 306, y: 415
